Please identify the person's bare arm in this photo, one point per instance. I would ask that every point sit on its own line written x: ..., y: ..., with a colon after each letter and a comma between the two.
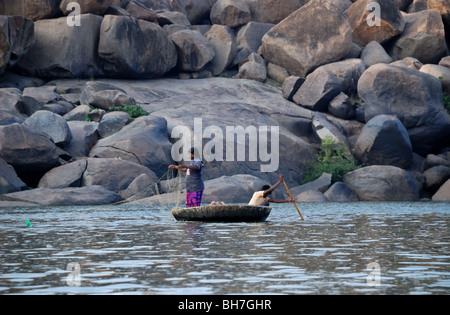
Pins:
x: 184, y: 168
x: 268, y: 191
x: 191, y: 167
x: 281, y: 201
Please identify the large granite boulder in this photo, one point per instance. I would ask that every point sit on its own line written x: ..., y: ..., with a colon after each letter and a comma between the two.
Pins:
x: 311, y: 196
x: 250, y: 35
x: 87, y: 6
x: 423, y: 38
x: 9, y: 181
x: 138, y: 10
x: 30, y: 152
x: 324, y: 37
x: 342, y: 107
x: 16, y: 37
x: 63, y: 51
x: 382, y: 183
x: 384, y: 141
x: 443, y: 194
x: 414, y: 97
x: 223, y: 41
x: 348, y: 72
x: 339, y: 192
x: 5, y: 53
x: 112, y: 174
x: 134, y: 48
x: 84, y: 137
x: 374, y: 53
x: 50, y: 124
x: 231, y: 13
x: 32, y: 9
x: 253, y: 69
x: 232, y: 189
x: 159, y: 5
x: 440, y: 72
x: 319, y: 88
x: 273, y: 11
x: 436, y: 176
x: 321, y: 184
x: 11, y: 106
x: 104, y: 96
x: 444, y: 8
x: 144, y: 142
x: 196, y: 10
x: 363, y: 19
x: 194, y: 50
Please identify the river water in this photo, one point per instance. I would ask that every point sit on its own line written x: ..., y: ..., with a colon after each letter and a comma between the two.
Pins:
x: 340, y: 248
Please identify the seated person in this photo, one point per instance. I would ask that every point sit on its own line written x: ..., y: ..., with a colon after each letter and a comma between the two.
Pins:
x: 260, y: 198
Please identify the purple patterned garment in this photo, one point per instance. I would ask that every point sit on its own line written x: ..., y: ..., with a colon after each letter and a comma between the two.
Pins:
x: 194, y: 199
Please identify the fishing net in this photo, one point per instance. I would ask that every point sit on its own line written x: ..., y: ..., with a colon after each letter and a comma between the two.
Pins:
x: 169, y: 191
x: 166, y: 193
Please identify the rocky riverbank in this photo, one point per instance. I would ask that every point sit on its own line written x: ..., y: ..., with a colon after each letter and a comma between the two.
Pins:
x: 379, y: 90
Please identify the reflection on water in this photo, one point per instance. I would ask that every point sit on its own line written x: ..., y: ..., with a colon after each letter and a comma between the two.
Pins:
x: 134, y: 250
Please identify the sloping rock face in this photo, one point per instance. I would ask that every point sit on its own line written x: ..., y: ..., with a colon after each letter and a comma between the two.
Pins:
x: 213, y: 107
x: 79, y: 196
x: 324, y: 36
x: 236, y: 104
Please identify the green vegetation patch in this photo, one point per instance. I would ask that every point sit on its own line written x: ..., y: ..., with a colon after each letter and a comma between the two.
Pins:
x: 333, y: 158
x: 446, y: 101
x: 134, y: 111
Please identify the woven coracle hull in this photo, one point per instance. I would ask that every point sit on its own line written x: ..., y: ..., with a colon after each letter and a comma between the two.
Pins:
x: 223, y: 213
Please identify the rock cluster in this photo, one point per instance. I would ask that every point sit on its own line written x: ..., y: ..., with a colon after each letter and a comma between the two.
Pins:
x: 375, y: 80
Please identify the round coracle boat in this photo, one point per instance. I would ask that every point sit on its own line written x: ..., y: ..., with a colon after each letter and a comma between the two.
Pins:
x: 223, y: 213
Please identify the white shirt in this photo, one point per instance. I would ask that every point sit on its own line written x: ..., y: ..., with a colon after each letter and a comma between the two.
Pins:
x: 258, y: 198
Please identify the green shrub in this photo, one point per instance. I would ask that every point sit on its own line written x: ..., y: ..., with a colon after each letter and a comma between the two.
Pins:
x: 446, y: 101
x: 134, y: 111
x: 445, y: 98
x: 333, y: 158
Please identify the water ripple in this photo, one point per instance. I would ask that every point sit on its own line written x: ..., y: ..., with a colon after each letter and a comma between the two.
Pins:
x: 135, y: 250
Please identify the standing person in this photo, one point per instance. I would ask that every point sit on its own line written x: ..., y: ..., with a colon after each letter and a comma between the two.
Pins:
x: 194, y: 181
x: 260, y: 198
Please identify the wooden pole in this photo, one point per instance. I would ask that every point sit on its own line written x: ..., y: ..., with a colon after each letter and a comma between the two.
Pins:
x: 292, y: 198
